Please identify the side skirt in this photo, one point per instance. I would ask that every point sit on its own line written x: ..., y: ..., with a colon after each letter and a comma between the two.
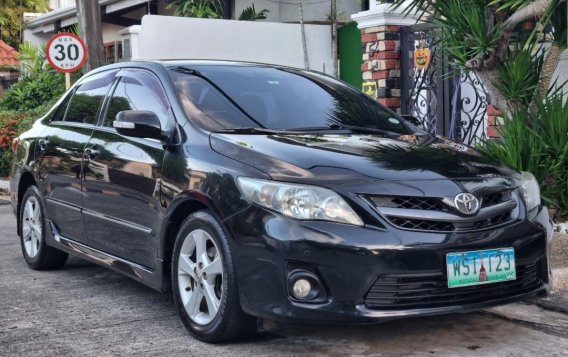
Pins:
x: 152, y: 278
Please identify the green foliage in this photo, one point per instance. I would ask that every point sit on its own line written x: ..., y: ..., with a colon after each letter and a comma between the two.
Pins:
x: 11, y: 12
x: 5, y: 162
x: 465, y: 29
x: 537, y: 143
x: 250, y: 14
x: 211, y: 9
x: 13, y: 124
x: 32, y: 92
x: 32, y: 59
x: 519, y: 77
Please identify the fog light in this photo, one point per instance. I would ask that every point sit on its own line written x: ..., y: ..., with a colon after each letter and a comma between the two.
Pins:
x: 304, y: 286
x: 301, y: 288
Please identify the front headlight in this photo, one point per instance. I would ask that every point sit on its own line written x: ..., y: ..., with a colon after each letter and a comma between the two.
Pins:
x: 531, y: 190
x: 298, y: 201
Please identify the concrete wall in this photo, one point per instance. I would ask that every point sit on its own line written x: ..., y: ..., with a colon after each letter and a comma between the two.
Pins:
x: 266, y: 42
x: 57, y: 4
x: 36, y: 39
x: 110, y: 32
x: 288, y: 11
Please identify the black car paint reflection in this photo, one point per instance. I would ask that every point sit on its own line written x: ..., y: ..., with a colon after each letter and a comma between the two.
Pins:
x: 119, y: 200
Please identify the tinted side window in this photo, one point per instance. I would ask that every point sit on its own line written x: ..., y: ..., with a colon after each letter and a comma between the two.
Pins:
x: 87, y: 100
x: 138, y: 90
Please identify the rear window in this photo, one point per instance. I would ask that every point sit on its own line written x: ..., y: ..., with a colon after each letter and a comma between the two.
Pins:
x: 275, y: 98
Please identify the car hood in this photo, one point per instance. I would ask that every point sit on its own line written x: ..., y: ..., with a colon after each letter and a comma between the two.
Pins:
x: 335, y: 159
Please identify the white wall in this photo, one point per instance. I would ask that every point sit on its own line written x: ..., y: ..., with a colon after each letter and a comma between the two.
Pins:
x: 58, y: 4
x: 110, y: 32
x: 267, y: 42
x: 288, y: 11
x: 36, y: 39
x: 561, y: 72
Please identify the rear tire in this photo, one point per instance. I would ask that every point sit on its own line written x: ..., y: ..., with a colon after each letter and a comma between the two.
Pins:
x: 37, y: 253
x: 204, y: 284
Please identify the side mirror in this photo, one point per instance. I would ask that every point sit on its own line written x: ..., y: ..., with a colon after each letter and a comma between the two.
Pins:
x: 414, y: 121
x: 138, y: 124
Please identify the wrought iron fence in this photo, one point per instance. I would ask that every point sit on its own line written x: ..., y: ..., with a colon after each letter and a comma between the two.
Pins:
x: 448, y: 102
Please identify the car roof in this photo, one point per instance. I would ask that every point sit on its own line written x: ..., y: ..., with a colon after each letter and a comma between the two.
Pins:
x: 167, y: 63
x: 178, y: 63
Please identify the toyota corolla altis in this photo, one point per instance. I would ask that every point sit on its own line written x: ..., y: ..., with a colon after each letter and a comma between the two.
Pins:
x: 258, y: 191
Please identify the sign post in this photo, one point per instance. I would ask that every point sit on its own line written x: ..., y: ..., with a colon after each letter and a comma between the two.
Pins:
x: 66, y: 53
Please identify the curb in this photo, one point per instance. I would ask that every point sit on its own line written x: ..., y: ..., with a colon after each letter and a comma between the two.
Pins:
x: 556, y: 301
x: 4, y: 186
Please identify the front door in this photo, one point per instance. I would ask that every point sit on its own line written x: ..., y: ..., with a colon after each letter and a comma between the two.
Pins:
x: 122, y: 176
x: 60, y: 154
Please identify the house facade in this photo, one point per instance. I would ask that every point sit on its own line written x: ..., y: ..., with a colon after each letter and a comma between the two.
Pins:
x: 118, y: 15
x: 9, y: 63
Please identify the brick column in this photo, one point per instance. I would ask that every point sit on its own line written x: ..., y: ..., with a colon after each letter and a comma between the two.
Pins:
x: 380, y: 33
x: 381, y: 63
x: 494, y: 122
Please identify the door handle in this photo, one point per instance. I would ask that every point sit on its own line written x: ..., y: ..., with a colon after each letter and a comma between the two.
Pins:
x: 43, y: 144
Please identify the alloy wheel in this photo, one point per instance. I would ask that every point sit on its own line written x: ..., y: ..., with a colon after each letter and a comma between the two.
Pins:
x: 200, y: 276
x: 32, y: 227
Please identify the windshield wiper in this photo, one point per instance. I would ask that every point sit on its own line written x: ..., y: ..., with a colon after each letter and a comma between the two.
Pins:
x: 250, y: 130
x: 352, y: 128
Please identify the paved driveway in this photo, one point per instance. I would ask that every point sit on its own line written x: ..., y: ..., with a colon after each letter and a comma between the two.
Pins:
x: 84, y: 310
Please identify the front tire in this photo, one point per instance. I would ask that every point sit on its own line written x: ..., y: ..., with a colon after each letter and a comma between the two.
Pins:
x: 37, y: 253
x: 204, y: 283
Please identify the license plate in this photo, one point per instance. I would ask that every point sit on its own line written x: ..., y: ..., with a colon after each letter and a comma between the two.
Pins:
x: 480, y: 267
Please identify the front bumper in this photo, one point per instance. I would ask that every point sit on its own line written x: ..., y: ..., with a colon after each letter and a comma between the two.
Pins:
x: 348, y: 260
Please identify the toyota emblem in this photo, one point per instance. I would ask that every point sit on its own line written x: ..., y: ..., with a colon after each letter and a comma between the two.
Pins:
x: 466, y: 203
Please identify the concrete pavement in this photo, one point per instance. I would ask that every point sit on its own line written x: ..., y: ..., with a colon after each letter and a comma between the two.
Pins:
x: 85, y: 310
x: 4, y: 188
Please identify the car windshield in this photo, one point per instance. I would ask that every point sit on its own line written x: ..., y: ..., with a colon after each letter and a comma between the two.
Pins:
x: 220, y: 97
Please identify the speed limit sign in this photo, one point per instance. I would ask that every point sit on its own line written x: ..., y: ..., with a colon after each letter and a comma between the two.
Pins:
x: 66, y: 52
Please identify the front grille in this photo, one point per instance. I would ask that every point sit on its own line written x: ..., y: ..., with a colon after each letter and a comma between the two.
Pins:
x: 495, y: 198
x: 437, y: 214
x: 422, y: 225
x: 425, y: 203
x: 493, y: 221
x: 427, y: 290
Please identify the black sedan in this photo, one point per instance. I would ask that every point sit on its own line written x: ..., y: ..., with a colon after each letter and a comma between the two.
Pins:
x: 258, y: 191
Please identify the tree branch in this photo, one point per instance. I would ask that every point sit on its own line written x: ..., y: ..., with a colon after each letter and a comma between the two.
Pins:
x: 475, y: 63
x: 534, y: 9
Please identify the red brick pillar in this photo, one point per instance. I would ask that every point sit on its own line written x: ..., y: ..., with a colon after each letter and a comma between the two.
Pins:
x: 494, y: 122
x: 381, y: 63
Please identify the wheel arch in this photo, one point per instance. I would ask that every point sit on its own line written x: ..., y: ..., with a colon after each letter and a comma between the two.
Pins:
x: 26, y: 180
x: 173, y: 220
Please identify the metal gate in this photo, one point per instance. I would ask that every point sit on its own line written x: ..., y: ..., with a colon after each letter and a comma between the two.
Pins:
x: 448, y: 102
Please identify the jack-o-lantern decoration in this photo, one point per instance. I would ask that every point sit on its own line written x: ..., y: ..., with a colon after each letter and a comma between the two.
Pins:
x: 421, y: 57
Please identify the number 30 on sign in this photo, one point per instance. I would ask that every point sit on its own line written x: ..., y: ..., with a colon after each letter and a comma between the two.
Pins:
x: 66, y: 52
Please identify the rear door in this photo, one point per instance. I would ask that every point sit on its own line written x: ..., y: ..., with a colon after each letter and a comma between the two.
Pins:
x: 60, y: 153
x: 122, y: 176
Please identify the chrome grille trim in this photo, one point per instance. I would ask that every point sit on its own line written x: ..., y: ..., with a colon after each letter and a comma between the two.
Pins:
x: 437, y: 214
x: 442, y: 216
